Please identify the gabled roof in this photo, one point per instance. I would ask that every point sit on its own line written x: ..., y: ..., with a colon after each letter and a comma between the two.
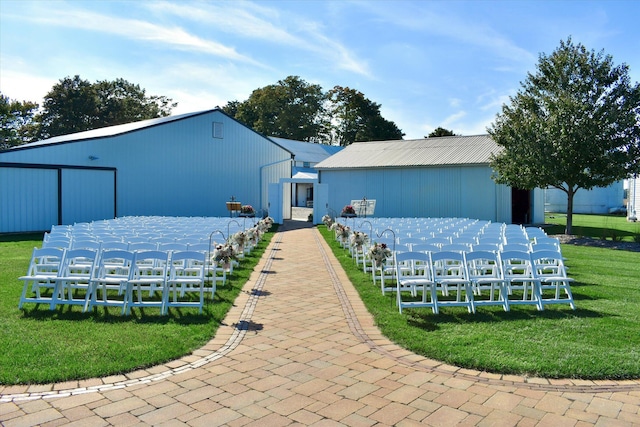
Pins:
x: 113, y: 130
x: 307, y: 151
x: 448, y: 150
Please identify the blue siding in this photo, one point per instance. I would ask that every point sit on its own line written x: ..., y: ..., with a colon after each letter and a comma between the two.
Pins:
x: 465, y: 191
x: 87, y: 195
x: 28, y: 199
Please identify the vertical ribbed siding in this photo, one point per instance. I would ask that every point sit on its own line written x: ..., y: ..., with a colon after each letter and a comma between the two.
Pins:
x: 466, y: 192
x: 28, y: 199
x: 87, y: 195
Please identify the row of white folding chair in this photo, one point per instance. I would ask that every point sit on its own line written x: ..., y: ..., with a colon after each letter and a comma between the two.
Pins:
x: 516, y: 277
x: 67, y: 272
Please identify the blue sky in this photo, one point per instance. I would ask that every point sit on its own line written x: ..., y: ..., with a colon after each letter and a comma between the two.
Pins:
x: 428, y: 63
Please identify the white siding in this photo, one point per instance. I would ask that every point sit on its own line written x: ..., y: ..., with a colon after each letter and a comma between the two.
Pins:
x: 633, y: 205
x: 28, y: 199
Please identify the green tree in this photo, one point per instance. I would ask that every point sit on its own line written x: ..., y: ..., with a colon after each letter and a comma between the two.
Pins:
x: 291, y: 108
x: 70, y: 106
x: 574, y: 124
x: 440, y: 131
x: 16, y: 121
x: 355, y: 118
x: 120, y: 101
x: 76, y: 105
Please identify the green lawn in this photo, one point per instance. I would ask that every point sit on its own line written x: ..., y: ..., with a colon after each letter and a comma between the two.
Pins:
x: 599, y: 340
x: 597, y: 226
x: 42, y: 346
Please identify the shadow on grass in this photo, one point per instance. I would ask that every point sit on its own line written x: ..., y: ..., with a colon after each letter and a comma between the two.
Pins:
x: 429, y: 322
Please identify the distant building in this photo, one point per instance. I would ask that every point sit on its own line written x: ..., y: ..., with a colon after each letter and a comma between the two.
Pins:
x: 433, y: 177
x: 599, y: 200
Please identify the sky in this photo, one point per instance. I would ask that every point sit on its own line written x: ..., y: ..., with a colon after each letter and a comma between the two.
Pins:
x: 428, y: 63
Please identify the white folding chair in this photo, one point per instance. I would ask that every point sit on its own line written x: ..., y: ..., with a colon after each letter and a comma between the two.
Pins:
x: 450, y: 274
x: 414, y: 275
x: 186, y: 276
x: 523, y: 288
x: 108, y: 284
x: 549, y: 268
x: 148, y: 275
x: 76, y: 272
x: 43, y: 268
x: 485, y: 273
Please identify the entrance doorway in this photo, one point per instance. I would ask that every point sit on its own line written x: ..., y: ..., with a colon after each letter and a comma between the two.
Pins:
x: 520, y: 206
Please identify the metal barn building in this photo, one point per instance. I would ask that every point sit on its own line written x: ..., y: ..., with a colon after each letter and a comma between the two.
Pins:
x: 183, y: 165
x: 433, y: 177
x: 599, y: 200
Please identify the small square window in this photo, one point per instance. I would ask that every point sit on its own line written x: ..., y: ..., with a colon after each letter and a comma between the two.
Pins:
x: 217, y: 130
x: 306, y: 165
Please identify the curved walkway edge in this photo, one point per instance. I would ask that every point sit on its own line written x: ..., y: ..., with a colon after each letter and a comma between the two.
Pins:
x: 299, y: 347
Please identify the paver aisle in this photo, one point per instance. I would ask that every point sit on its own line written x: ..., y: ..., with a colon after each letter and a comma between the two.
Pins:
x: 299, y: 348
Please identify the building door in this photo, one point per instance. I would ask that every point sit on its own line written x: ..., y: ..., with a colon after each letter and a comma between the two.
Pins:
x: 520, y: 206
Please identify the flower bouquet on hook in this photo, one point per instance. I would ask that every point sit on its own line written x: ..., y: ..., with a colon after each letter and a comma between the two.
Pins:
x: 379, y: 252
x: 348, y: 212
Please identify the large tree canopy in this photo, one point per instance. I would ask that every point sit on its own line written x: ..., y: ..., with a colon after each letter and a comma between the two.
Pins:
x: 295, y: 109
x: 355, y: 118
x: 291, y: 108
x: 574, y: 124
x: 15, y: 121
x: 75, y: 105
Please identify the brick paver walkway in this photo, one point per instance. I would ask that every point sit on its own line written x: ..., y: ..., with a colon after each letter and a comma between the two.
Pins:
x: 300, y: 348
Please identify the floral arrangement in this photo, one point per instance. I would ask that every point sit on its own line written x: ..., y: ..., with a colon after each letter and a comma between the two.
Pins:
x: 349, y: 210
x: 327, y: 220
x: 253, y: 235
x: 357, y: 239
x: 223, y: 254
x: 247, y: 209
x: 239, y: 240
x: 379, y: 252
x: 342, y: 231
x: 265, y: 224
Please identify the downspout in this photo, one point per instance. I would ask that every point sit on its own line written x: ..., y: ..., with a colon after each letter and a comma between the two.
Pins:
x: 269, y: 165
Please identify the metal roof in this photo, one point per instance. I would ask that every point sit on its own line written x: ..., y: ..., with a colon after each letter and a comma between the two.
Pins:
x: 448, y: 150
x: 307, y: 151
x: 111, y: 130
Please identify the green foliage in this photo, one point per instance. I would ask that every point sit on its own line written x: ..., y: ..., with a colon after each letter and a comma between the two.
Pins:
x: 16, y: 121
x: 574, y: 124
x: 292, y: 109
x: 355, y: 118
x: 43, y: 346
x: 76, y: 105
x: 598, y: 340
x: 295, y: 109
x: 440, y: 131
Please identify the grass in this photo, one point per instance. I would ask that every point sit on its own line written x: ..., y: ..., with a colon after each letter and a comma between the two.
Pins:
x: 43, y: 346
x: 599, y: 340
x: 609, y: 227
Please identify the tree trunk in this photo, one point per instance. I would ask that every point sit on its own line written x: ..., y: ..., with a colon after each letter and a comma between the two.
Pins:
x: 570, y: 193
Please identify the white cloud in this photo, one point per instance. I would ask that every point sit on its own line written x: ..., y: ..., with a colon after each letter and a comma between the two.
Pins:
x: 255, y: 21
x: 134, y: 29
